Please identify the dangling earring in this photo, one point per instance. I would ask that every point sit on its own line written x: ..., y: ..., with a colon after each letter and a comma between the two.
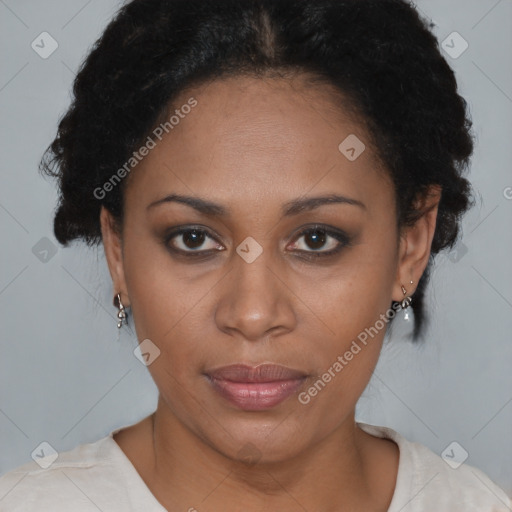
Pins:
x: 121, y: 314
x: 406, y: 302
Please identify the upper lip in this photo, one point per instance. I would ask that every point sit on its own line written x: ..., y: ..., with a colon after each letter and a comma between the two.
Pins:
x: 261, y: 373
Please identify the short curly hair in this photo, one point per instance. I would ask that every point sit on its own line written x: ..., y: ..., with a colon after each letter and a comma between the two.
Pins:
x: 381, y: 54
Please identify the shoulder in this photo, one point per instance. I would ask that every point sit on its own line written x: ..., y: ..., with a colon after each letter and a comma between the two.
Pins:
x: 76, y: 480
x: 427, y: 481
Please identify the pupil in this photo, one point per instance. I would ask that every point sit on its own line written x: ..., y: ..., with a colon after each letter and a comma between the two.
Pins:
x: 193, y: 237
x: 318, y: 238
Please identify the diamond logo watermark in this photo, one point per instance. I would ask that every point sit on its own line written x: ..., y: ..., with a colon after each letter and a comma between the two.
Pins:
x: 454, y: 455
x: 352, y: 147
x: 44, y: 250
x: 44, y: 455
x: 454, y: 45
x: 249, y: 249
x: 44, y: 45
x: 458, y: 252
x: 249, y: 454
x: 146, y: 352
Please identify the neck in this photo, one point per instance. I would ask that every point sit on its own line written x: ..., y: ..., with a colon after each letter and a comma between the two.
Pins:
x: 337, y: 473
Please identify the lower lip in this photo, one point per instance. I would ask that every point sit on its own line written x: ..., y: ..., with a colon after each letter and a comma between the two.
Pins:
x: 256, y: 396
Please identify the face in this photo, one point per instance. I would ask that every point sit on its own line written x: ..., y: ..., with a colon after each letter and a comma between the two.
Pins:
x: 267, y: 276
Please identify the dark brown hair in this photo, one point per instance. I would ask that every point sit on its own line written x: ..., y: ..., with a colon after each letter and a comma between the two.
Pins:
x: 379, y: 53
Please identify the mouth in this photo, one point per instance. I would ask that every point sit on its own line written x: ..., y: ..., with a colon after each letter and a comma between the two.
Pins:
x: 256, y: 388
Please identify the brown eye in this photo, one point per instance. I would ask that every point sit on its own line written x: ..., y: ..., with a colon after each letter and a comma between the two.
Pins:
x: 317, y: 238
x: 191, y: 240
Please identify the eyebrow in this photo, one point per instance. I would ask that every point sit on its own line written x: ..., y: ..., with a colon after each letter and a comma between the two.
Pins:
x: 289, y: 208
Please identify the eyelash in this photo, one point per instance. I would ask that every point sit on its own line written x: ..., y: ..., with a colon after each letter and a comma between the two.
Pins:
x: 340, y: 236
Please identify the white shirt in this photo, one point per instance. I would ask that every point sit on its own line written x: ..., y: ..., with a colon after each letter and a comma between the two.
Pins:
x: 99, y: 476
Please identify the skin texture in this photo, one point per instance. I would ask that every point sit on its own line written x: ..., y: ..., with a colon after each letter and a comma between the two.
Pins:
x: 252, y: 145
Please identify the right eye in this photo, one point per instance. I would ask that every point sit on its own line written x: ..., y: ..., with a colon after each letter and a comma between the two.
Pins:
x: 190, y: 240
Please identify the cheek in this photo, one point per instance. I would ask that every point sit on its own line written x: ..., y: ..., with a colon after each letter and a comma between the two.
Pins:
x: 353, y: 314
x: 353, y: 298
x: 346, y: 359
x: 168, y: 308
x: 159, y: 293
x: 355, y: 305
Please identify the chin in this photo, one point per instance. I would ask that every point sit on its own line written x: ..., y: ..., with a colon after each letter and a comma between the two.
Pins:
x: 260, y: 440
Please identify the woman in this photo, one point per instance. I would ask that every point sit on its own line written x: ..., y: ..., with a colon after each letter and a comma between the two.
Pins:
x: 271, y: 180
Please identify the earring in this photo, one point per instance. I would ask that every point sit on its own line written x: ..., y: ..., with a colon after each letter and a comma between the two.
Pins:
x: 406, y: 302
x: 121, y: 314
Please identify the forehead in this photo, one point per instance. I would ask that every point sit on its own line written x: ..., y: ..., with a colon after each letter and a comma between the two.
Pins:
x: 256, y: 139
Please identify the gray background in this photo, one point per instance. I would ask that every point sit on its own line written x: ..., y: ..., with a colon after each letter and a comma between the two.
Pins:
x: 66, y: 379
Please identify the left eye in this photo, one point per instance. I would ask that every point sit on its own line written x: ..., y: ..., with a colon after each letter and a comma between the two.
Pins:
x: 317, y: 238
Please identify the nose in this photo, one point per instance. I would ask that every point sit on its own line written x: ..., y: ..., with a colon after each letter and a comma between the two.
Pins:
x: 255, y: 300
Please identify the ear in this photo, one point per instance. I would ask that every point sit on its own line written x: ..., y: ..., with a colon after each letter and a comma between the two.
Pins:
x: 415, y: 244
x: 114, y: 254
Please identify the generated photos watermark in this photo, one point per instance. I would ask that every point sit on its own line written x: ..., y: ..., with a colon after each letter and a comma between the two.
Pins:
x: 137, y: 156
x: 343, y: 360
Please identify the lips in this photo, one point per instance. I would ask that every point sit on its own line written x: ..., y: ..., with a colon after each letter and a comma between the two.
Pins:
x: 256, y: 388
x: 261, y: 373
